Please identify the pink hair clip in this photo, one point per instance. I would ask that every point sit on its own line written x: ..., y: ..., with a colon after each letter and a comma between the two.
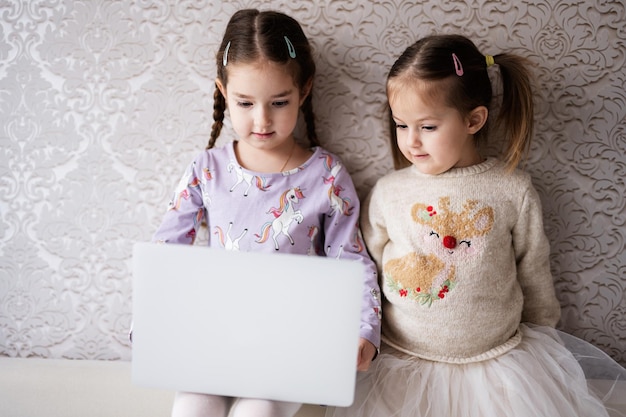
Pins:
x: 457, y: 65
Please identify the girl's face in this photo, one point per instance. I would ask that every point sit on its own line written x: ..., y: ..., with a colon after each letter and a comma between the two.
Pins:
x: 431, y: 135
x: 263, y: 102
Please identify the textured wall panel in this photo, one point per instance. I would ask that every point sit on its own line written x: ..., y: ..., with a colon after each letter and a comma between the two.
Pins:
x: 102, y: 104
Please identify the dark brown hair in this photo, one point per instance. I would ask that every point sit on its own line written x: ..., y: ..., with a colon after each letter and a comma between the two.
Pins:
x: 430, y: 60
x: 253, y: 35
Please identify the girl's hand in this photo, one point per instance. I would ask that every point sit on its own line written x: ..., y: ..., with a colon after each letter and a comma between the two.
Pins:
x: 367, y: 351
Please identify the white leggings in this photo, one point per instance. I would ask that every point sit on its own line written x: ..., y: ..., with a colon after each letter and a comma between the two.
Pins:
x: 187, y: 404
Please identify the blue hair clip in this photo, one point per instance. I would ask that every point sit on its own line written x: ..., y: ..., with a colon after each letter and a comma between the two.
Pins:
x: 290, y: 48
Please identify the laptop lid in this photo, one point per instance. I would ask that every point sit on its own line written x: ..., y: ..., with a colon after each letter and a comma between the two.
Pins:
x: 273, y: 326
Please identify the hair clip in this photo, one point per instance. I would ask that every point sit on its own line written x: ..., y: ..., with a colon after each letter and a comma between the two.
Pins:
x: 290, y: 48
x: 225, y: 57
x: 490, y: 61
x: 457, y: 65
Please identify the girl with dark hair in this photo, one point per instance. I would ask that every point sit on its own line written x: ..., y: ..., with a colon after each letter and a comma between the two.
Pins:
x: 264, y: 191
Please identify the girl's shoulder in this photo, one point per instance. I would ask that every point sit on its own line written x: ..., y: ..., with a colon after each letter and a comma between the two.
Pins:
x: 517, y: 177
x: 225, y: 150
x: 221, y: 153
x: 320, y: 152
x: 399, y: 176
x: 323, y: 157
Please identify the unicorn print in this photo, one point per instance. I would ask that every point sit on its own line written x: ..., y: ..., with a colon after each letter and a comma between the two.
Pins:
x: 206, y: 176
x: 332, y: 169
x: 247, y: 178
x: 284, y: 215
x: 312, y: 234
x: 358, y: 244
x: 337, y: 255
x: 226, y: 240
x: 338, y: 204
x: 182, y: 189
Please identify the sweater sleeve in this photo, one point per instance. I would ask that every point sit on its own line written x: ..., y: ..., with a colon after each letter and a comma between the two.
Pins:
x: 532, y: 251
x: 342, y: 230
x: 185, y: 211
x: 374, y: 227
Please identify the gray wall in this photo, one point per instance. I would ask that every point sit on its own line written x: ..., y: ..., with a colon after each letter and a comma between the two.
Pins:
x: 102, y: 103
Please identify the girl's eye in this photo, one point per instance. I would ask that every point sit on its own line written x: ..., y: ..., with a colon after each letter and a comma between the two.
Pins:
x: 244, y: 104
x: 399, y: 126
x: 429, y: 128
x: 281, y: 103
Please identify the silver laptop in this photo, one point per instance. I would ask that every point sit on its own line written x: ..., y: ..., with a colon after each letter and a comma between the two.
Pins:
x: 272, y: 326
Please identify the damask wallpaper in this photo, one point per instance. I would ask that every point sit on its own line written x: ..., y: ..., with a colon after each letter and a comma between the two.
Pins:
x: 103, y: 102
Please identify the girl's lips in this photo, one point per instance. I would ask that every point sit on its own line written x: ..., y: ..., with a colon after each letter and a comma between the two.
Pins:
x: 263, y: 135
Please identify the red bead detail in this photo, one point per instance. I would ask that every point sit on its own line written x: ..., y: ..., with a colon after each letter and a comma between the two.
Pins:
x: 449, y: 242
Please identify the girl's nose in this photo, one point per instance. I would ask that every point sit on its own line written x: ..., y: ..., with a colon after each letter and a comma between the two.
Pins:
x: 262, y: 116
x: 413, y: 139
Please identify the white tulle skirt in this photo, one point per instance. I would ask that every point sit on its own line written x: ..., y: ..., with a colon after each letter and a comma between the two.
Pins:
x: 542, y: 377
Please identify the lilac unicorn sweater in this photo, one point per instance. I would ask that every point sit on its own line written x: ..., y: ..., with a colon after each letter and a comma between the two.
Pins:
x: 312, y: 209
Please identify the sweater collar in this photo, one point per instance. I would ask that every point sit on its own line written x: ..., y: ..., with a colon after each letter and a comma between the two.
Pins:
x: 484, y: 166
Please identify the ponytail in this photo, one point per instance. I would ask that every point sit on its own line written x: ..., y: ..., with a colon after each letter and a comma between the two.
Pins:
x: 516, y: 113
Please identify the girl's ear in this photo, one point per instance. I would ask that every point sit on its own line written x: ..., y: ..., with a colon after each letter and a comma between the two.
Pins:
x: 306, y: 90
x: 477, y: 119
x: 221, y: 87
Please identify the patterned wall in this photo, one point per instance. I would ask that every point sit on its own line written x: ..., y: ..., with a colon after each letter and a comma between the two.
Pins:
x: 102, y: 104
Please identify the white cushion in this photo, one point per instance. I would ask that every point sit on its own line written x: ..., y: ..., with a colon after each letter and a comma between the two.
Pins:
x: 83, y: 388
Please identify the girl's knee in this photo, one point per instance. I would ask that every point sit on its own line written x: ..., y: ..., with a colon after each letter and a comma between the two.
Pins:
x: 249, y: 407
x: 189, y: 404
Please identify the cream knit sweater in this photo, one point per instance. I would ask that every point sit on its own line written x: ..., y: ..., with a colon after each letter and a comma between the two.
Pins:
x: 463, y: 259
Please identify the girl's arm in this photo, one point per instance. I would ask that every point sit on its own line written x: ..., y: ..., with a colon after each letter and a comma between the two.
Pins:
x: 343, y: 239
x: 532, y: 253
x: 185, y: 211
x: 373, y: 226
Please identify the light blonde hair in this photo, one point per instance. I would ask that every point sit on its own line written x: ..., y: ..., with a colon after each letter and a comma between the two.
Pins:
x: 431, y: 60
